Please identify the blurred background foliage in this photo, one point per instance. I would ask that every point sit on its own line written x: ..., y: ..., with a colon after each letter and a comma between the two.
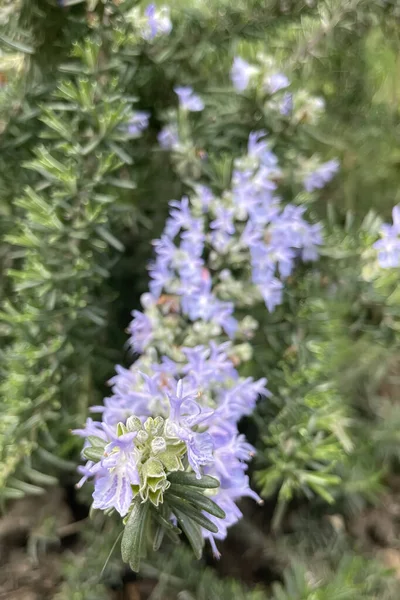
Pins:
x: 328, y: 440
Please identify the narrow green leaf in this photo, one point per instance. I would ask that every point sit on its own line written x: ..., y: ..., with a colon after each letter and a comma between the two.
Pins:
x: 96, y: 441
x: 92, y: 145
x: 124, y: 184
x: 132, y: 539
x: 24, y: 48
x: 27, y: 488
x: 110, y: 239
x: 198, y: 499
x: 56, y: 461
x: 38, y: 477
x: 158, y: 538
x: 163, y: 521
x: 206, y: 482
x: 190, y: 511
x: 192, y: 531
x: 124, y: 156
x: 94, y: 454
x: 11, y: 494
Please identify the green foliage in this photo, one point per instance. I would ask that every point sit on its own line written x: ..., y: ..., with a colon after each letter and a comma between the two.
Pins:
x: 353, y: 579
x: 63, y: 249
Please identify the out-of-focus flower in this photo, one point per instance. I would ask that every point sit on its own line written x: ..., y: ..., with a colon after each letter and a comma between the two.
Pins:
x: 158, y: 22
x: 168, y: 137
x: 275, y: 82
x: 286, y: 104
x: 138, y: 123
x: 241, y: 73
x: 188, y: 100
x: 318, y: 178
x: 389, y: 245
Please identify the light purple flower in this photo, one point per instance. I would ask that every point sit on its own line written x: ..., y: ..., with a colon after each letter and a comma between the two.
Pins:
x: 180, y: 217
x: 274, y: 83
x: 241, y: 73
x: 138, y: 123
x: 321, y: 176
x: 168, y: 137
x: 286, y: 105
x: 188, y: 100
x: 141, y: 331
x: 158, y: 22
x: 119, y: 472
x: 258, y: 147
x: 205, y: 195
x: 389, y: 245
x: 272, y: 293
x: 186, y: 414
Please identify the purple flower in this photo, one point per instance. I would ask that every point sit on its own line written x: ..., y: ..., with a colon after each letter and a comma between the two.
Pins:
x: 396, y: 218
x: 118, y: 473
x: 239, y: 400
x: 161, y: 277
x: 321, y: 176
x: 274, y: 83
x: 168, y: 137
x: 180, y: 217
x: 188, y: 100
x: 184, y: 415
x: 241, y: 73
x: 223, y: 228
x: 389, y: 245
x: 259, y: 147
x: 205, y: 195
x: 201, y: 303
x: 91, y: 428
x: 209, y: 365
x: 141, y: 331
x: 158, y: 22
x: 286, y: 105
x: 272, y: 293
x: 193, y: 238
x: 138, y: 123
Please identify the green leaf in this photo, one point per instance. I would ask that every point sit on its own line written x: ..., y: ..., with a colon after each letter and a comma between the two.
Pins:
x: 124, y: 184
x: 158, y: 538
x: 56, y: 461
x: 192, y: 531
x: 94, y: 454
x: 133, y: 536
x: 110, y: 239
x: 27, y: 488
x: 120, y: 152
x: 17, y: 45
x: 192, y: 512
x: 38, y: 477
x: 96, y: 441
x: 92, y: 145
x: 11, y: 494
x: 156, y: 512
x: 199, y: 500
x: 206, y: 482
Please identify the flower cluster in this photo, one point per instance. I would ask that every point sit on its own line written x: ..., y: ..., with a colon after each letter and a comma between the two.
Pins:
x: 199, y: 401
x: 269, y: 81
x: 132, y: 456
x: 216, y: 253
x: 177, y: 408
x: 389, y: 245
x: 246, y: 230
